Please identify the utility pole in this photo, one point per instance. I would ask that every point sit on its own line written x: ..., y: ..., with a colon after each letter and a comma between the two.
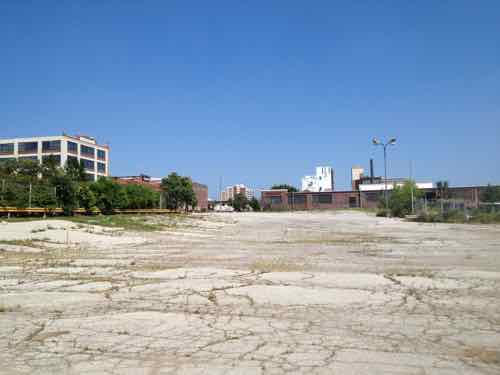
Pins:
x: 29, y: 201
x: 411, y: 181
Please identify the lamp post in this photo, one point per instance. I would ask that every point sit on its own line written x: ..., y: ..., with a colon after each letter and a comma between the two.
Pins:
x: 377, y: 142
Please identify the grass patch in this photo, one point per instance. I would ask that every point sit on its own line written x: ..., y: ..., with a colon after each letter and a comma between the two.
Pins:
x: 410, y: 273
x: 275, y: 265
x: 483, y: 355
x: 27, y: 243
x: 459, y: 216
x: 5, y: 309
x: 127, y: 222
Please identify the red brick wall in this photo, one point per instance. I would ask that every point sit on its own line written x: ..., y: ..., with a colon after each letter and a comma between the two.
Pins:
x: 340, y: 200
x: 201, y: 192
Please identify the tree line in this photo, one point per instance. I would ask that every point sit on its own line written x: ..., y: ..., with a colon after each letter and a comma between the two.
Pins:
x: 27, y: 183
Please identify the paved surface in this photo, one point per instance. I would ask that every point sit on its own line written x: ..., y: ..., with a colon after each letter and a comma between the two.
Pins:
x: 284, y: 293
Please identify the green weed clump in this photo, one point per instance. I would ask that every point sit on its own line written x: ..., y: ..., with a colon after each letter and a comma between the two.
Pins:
x: 459, y: 216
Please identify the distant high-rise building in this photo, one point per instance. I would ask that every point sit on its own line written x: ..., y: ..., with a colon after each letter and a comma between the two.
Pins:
x: 322, y: 181
x: 230, y: 191
x: 356, y: 175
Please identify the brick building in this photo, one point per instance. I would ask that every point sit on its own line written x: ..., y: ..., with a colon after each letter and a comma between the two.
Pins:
x: 200, y: 190
x: 283, y: 200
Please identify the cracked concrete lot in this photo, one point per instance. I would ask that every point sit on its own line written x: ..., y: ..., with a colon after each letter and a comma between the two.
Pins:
x: 254, y: 293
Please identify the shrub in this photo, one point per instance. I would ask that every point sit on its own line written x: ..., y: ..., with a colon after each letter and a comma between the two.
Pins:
x: 400, y: 198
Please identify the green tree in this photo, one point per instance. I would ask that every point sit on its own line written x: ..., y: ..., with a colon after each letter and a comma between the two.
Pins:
x: 43, y: 194
x: 178, y: 192
x: 172, y: 190
x: 50, y: 167
x: 139, y: 196
x: 254, y: 203
x: 491, y: 194
x: 400, y: 198
x: 109, y: 195
x: 239, y: 202
x: 28, y: 169
x: 188, y: 196
x: 8, y: 167
x: 66, y: 192
x: 75, y: 170
x: 443, y: 189
x: 14, y: 193
x: 86, y: 198
x: 290, y: 188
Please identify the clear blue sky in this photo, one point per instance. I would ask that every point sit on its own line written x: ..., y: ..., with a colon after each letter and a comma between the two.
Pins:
x: 260, y: 92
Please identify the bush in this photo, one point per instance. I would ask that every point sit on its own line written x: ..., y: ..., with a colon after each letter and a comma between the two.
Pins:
x: 485, y: 217
x: 454, y: 216
x: 139, y: 196
x: 86, y: 198
x: 431, y: 216
x: 109, y: 195
x: 400, y: 198
x: 254, y: 203
x: 382, y: 212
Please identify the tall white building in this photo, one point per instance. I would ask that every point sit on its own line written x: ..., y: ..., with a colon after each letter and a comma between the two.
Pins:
x: 322, y: 181
x: 94, y: 157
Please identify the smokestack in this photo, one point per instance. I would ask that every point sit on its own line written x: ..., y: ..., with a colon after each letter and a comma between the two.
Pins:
x: 371, y: 171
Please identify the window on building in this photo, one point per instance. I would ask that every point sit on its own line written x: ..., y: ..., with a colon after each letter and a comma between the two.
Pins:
x: 6, y: 148
x: 296, y: 198
x: 51, y: 146
x: 101, y: 167
x: 322, y: 198
x: 48, y: 158
x: 276, y: 199
x: 73, y: 148
x: 28, y: 147
x: 87, y: 164
x: 87, y: 151
x: 101, y: 154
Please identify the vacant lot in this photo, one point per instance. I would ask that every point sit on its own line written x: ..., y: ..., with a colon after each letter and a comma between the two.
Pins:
x: 306, y: 293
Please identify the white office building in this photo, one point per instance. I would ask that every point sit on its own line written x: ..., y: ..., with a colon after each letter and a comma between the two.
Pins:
x: 94, y: 157
x: 322, y: 181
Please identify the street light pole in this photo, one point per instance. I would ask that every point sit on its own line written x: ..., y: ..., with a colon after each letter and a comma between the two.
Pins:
x: 385, y: 180
x: 377, y: 142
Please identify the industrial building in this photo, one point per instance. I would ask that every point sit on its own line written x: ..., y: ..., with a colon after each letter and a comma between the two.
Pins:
x: 84, y: 149
x: 283, y: 200
x: 373, y: 183
x: 200, y: 190
x: 230, y: 191
x: 366, y: 193
x: 322, y: 181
